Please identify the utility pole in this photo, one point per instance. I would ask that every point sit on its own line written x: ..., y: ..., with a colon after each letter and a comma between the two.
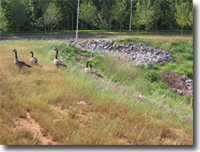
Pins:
x: 130, y: 15
x: 77, y: 21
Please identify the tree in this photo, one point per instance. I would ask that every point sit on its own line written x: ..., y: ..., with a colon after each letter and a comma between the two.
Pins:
x: 181, y: 14
x: 3, y: 20
x: 109, y: 5
x: 87, y: 12
x: 147, y: 13
x: 157, y: 12
x: 171, y: 12
x: 136, y: 19
x: 52, y: 15
x: 190, y: 19
x: 163, y: 17
x: 18, y: 13
x: 35, y: 2
x: 65, y: 10
x: 119, y: 12
x: 73, y: 8
x: 102, y: 19
x: 42, y: 20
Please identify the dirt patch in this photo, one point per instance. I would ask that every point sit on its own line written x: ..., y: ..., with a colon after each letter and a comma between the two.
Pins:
x: 181, y: 85
x: 172, y: 79
x: 29, y: 124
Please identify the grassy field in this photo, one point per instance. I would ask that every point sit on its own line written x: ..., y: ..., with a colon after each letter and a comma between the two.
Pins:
x: 91, y: 32
x: 42, y: 105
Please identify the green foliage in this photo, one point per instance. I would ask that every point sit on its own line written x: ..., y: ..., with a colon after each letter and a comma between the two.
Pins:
x: 39, y: 23
x: 96, y: 60
x: 65, y: 10
x: 18, y: 13
x: 119, y: 12
x: 190, y: 19
x: 102, y: 19
x: 87, y: 11
x: 3, y: 19
x: 189, y: 73
x: 52, y: 15
x: 157, y: 10
x: 68, y: 52
x: 187, y: 56
x: 147, y: 13
x: 182, y: 14
x: 151, y: 74
x: 35, y: 9
x: 136, y: 19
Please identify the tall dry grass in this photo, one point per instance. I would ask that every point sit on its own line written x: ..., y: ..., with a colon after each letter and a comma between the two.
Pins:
x: 48, y: 94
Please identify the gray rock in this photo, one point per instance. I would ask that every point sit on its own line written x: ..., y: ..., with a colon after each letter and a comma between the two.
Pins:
x: 189, y: 81
x: 183, y: 78
x: 141, y: 53
x: 150, y: 65
x: 161, y: 64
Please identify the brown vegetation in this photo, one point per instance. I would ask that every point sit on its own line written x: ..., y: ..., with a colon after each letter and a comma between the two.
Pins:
x: 191, y: 103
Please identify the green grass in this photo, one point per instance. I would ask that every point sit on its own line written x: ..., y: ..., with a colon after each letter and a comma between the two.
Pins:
x: 83, y: 32
x: 140, y: 80
x: 180, y: 48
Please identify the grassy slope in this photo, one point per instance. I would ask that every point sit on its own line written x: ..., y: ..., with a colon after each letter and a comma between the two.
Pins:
x: 107, y: 117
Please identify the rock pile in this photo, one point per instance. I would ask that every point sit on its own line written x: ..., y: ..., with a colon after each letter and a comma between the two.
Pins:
x: 140, y: 53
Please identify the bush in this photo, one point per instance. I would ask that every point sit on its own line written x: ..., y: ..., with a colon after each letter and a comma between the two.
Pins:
x: 189, y: 74
x: 68, y: 52
x: 151, y: 75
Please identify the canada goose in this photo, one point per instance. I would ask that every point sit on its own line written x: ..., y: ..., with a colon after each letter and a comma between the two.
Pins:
x: 58, y: 62
x: 87, y: 69
x: 33, y: 59
x: 18, y: 63
x: 90, y: 70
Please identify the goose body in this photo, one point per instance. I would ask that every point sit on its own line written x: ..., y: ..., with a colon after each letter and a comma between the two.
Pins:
x: 19, y: 63
x: 58, y: 62
x: 33, y: 59
x: 87, y: 68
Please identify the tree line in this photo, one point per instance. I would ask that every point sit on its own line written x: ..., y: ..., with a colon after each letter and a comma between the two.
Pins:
x: 42, y: 15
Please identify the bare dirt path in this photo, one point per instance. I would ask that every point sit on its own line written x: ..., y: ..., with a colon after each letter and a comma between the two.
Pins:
x: 30, y: 124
